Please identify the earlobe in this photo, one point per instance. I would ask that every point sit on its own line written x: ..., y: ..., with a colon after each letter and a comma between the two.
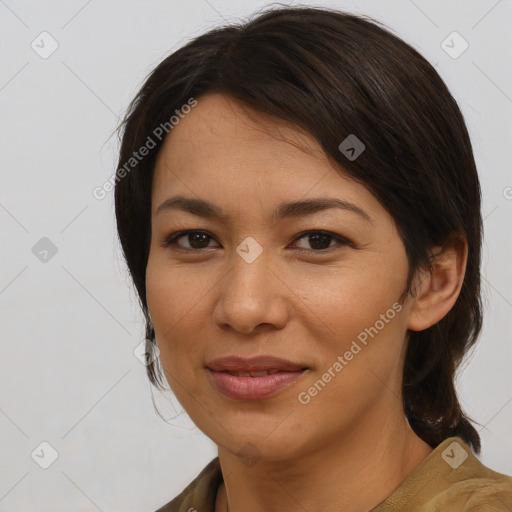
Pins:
x: 438, y: 287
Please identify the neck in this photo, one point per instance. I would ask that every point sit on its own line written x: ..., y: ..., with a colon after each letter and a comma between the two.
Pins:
x: 354, y: 474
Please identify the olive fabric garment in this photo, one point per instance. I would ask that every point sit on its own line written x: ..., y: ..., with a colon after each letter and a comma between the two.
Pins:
x: 450, y: 479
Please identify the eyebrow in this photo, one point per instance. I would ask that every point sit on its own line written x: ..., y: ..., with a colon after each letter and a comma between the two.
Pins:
x: 205, y: 209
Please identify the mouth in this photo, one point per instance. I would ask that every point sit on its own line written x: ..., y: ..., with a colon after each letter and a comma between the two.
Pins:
x: 255, y: 378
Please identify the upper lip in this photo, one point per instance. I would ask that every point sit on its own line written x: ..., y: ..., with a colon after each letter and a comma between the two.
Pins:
x: 260, y: 363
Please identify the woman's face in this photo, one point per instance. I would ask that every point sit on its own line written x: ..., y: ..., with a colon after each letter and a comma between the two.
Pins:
x: 256, y: 278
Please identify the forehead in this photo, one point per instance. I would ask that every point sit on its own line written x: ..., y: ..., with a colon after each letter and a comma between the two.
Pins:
x: 220, y: 128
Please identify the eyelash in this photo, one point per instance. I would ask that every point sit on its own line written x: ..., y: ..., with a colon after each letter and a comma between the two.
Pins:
x: 342, y: 241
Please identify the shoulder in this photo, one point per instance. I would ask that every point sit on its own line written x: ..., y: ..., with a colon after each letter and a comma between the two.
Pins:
x: 474, y: 485
x: 451, y: 479
x: 488, y: 490
x: 200, y: 494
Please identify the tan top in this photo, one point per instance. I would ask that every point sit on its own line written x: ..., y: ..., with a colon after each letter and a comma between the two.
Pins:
x: 450, y: 479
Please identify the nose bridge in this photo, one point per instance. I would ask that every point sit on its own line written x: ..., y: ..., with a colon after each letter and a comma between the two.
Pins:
x: 249, y: 296
x: 248, y: 274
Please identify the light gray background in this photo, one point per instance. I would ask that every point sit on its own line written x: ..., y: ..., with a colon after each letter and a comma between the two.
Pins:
x: 68, y: 375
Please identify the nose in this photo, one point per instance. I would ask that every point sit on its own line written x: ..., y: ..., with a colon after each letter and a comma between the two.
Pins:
x: 251, y: 298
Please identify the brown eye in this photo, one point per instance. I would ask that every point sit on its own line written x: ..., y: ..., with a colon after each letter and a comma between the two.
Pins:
x: 321, y: 240
x: 196, y: 240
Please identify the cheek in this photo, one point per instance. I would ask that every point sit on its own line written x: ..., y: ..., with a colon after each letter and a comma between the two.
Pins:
x: 174, y: 300
x: 358, y: 354
x: 356, y: 315
x: 352, y: 298
x: 175, y: 292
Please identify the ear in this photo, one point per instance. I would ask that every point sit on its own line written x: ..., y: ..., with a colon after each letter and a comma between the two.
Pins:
x: 437, y: 288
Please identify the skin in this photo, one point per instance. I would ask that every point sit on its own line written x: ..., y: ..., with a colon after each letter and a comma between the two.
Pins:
x: 351, y: 446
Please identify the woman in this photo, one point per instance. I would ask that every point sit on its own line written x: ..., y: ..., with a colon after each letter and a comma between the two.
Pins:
x: 299, y: 207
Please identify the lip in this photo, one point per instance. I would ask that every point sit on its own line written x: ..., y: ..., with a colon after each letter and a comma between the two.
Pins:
x: 259, y: 363
x: 285, y: 374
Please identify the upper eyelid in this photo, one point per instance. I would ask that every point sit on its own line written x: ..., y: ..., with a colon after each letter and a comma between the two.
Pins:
x: 173, y: 237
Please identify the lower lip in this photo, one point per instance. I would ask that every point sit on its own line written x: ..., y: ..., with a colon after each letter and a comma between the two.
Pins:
x: 254, y: 388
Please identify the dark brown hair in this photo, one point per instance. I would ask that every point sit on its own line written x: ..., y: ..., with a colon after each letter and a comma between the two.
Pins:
x: 334, y: 74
